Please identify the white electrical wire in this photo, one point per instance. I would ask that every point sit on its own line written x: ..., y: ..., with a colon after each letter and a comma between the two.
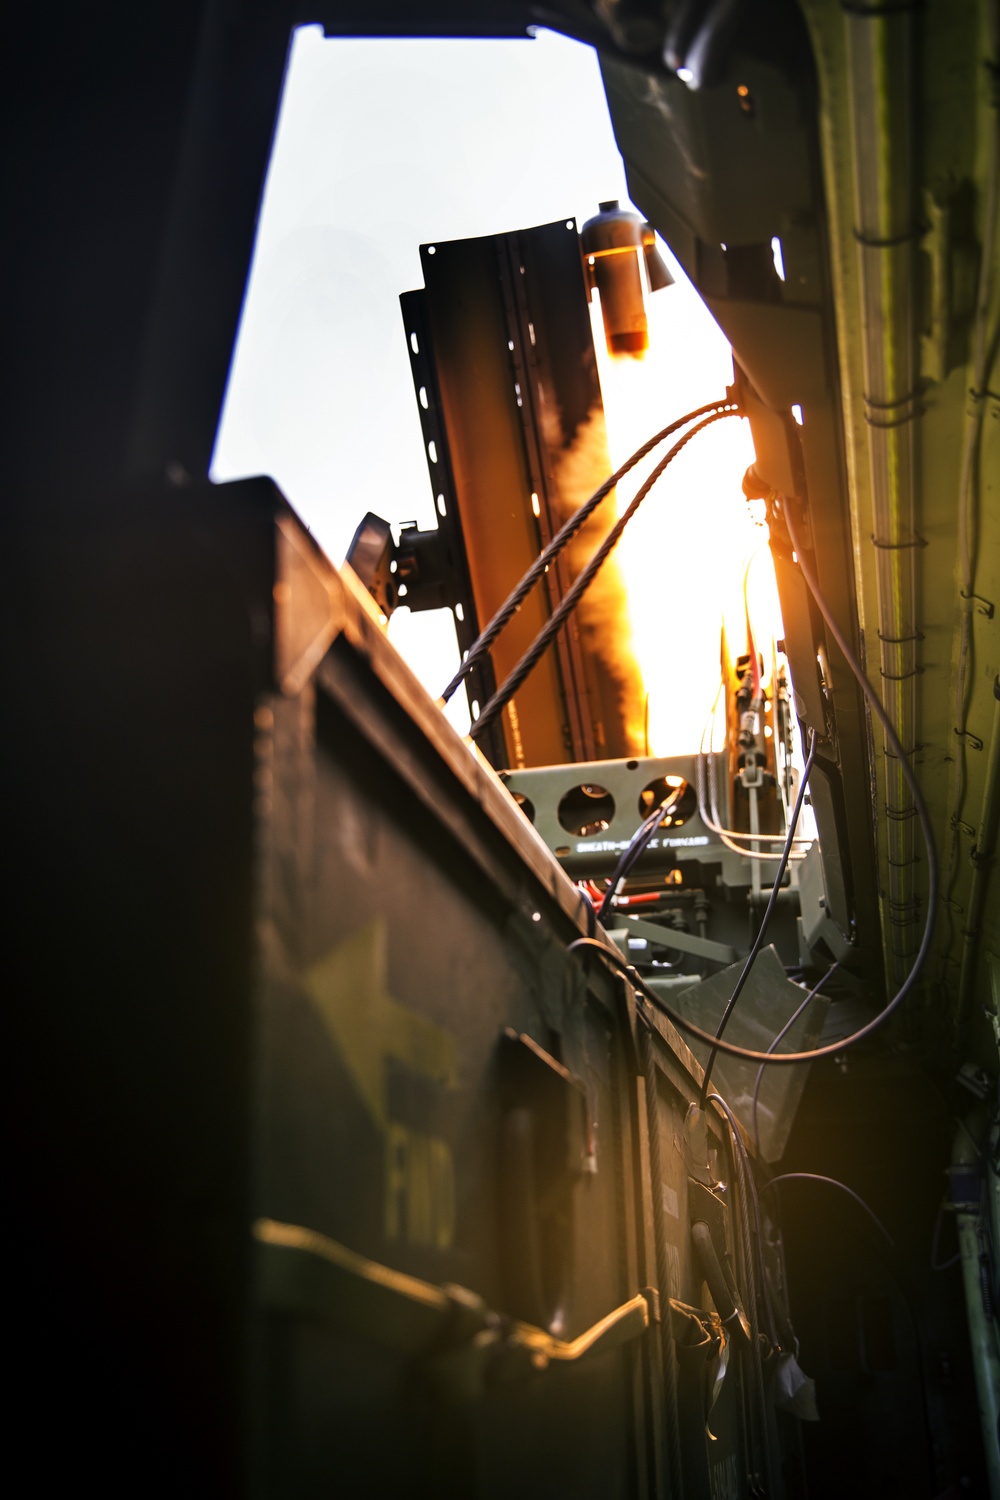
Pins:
x: 737, y: 833
x: 729, y: 835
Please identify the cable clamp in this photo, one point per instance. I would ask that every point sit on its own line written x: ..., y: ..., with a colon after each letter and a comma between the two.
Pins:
x: 902, y: 676
x: 891, y: 754
x: 909, y: 416
x: 976, y: 602
x: 968, y: 738
x: 903, y: 864
x: 900, y: 814
x: 900, y: 640
x: 910, y: 403
x: 883, y: 546
x: 965, y: 828
x: 910, y: 397
x: 915, y: 231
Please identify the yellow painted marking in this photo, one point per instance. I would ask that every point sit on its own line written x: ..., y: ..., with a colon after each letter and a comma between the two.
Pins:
x: 348, y: 988
x: 419, y: 1188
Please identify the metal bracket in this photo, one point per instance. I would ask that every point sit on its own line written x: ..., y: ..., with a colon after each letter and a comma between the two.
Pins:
x: 913, y: 750
x: 977, y: 603
x: 682, y: 942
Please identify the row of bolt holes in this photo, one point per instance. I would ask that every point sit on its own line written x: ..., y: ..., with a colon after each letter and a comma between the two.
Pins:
x: 422, y: 394
x: 588, y: 808
x: 425, y: 403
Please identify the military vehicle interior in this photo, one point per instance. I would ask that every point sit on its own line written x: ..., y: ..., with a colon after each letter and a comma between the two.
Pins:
x: 580, y: 1105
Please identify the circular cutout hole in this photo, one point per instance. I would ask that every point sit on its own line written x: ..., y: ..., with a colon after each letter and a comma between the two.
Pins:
x: 680, y: 794
x: 525, y: 804
x: 586, y: 809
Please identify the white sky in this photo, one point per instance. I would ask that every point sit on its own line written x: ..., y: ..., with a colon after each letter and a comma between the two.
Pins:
x: 381, y: 146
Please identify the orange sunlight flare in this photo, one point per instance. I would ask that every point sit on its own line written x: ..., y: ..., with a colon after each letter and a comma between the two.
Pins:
x: 684, y: 555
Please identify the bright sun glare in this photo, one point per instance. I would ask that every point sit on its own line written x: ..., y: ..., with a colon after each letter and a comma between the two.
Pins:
x: 685, y: 554
x: 382, y: 145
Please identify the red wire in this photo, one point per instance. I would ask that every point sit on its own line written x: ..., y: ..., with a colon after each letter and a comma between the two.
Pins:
x: 642, y: 898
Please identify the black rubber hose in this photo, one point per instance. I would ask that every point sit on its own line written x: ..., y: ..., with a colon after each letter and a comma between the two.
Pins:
x: 711, y: 1268
x: 831, y: 1182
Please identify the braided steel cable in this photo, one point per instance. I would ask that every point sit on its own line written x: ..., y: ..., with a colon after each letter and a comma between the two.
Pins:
x: 575, y: 593
x: 512, y: 603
